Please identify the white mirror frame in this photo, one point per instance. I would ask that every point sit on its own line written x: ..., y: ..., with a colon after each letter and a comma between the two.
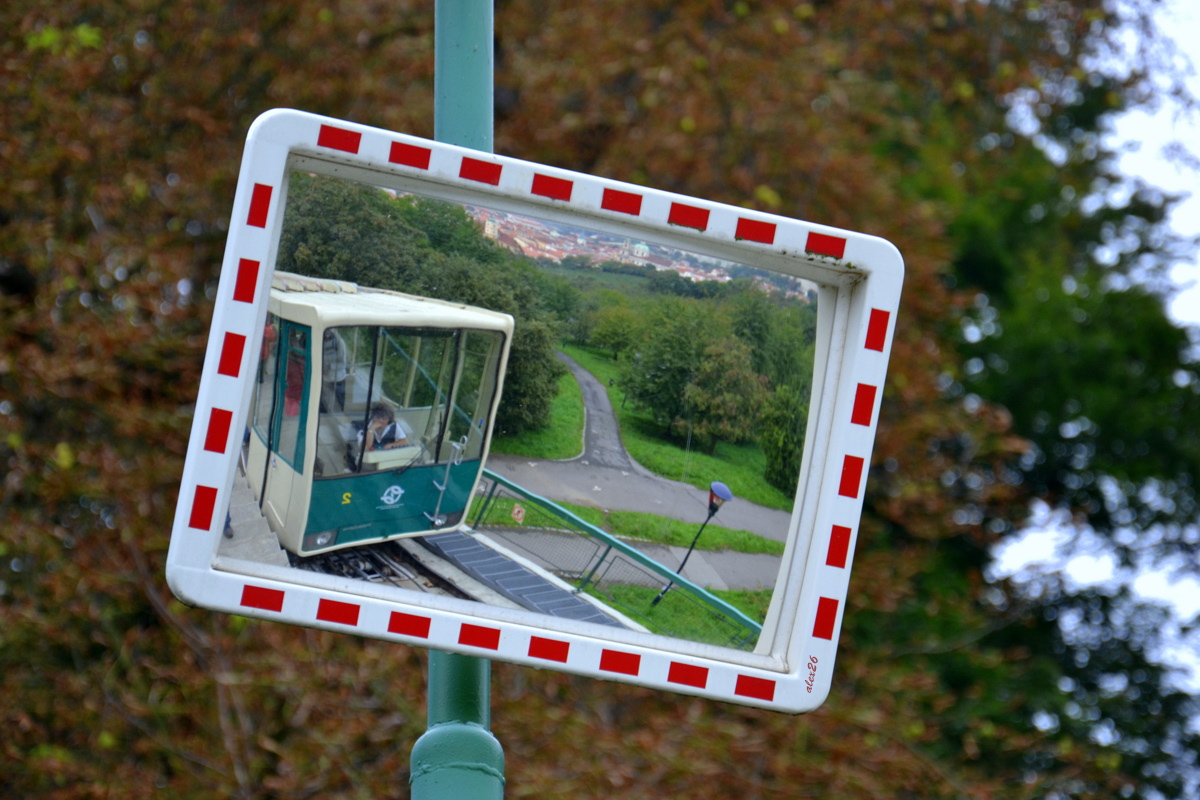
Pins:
x: 860, y: 279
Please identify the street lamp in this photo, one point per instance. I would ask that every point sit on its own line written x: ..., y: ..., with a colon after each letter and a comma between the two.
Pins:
x: 718, y: 493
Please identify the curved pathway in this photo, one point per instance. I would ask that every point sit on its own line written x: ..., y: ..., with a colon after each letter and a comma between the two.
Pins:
x: 604, y: 476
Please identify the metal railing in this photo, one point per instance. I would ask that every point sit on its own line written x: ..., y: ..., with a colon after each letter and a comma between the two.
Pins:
x: 616, y: 573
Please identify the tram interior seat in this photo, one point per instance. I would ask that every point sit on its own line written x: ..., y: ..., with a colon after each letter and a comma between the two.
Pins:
x: 391, y: 459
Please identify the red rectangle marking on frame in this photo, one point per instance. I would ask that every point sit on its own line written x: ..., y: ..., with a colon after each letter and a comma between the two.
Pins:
x: 688, y: 216
x: 688, y: 675
x: 877, y: 329
x: 339, y: 612
x: 754, y: 230
x: 479, y: 636
x: 839, y: 547
x: 247, y: 281
x: 339, y: 139
x: 623, y: 202
x: 554, y: 188
x: 624, y: 663
x: 473, y: 169
x: 864, y: 404
x: 826, y: 617
x: 260, y: 204
x: 204, y: 502
x: 262, y: 597
x: 409, y: 625
x: 218, y: 430
x: 409, y: 155
x: 231, y: 354
x: 825, y: 245
x: 757, y: 688
x: 549, y: 649
x: 852, y: 469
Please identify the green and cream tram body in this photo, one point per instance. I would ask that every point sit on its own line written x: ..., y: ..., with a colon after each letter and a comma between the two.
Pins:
x: 372, y: 412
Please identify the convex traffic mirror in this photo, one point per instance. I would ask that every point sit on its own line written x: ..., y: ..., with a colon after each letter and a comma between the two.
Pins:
x: 338, y: 473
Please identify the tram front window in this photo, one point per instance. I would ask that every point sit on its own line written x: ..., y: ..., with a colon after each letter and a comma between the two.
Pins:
x: 394, y: 397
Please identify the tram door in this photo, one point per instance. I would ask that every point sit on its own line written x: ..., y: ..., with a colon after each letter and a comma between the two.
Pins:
x: 279, y: 424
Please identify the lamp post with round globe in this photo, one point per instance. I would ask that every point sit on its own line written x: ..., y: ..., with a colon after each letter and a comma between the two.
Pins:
x: 718, y: 494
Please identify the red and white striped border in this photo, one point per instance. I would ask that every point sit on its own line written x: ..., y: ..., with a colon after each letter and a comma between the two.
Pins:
x: 222, y: 405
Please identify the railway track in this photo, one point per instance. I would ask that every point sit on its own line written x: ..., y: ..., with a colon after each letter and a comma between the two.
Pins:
x: 388, y: 563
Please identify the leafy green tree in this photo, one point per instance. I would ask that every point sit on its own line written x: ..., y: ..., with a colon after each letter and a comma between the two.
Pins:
x: 671, y: 282
x: 450, y: 229
x: 752, y: 317
x: 576, y: 262
x: 781, y: 432
x: 558, y: 297
x: 340, y: 229
x: 614, y: 327
x: 664, y: 359
x: 723, y: 399
x: 533, y: 386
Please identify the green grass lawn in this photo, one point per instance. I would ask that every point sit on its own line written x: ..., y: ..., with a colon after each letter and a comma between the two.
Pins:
x: 562, y: 438
x: 740, y: 467
x: 637, y: 525
x: 678, y: 615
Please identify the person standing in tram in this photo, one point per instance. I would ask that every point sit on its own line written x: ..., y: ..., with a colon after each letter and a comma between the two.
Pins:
x: 333, y: 372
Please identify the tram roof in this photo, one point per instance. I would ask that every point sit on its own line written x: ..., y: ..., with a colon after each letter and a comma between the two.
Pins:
x: 327, y: 303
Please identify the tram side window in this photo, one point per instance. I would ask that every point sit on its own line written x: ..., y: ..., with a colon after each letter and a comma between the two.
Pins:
x: 346, y: 358
x: 264, y: 382
x: 432, y: 365
x: 334, y: 369
x: 291, y: 413
x: 476, y: 389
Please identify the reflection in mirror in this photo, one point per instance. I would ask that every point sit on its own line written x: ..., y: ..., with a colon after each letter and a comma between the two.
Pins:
x: 366, y: 454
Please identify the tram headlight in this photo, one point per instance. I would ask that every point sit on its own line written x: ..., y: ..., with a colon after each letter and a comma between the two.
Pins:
x: 315, y: 541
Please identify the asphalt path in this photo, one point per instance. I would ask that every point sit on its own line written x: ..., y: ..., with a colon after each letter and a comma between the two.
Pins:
x: 604, y: 476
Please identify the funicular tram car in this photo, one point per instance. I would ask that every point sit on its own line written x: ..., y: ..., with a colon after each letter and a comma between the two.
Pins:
x: 372, y: 412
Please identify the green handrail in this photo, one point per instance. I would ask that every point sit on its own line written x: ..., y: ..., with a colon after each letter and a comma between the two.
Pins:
x: 613, y: 543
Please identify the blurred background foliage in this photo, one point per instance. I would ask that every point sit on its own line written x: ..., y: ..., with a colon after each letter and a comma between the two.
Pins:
x: 1033, y: 367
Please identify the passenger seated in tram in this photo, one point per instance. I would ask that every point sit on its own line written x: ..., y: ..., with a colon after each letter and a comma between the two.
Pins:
x: 384, y: 431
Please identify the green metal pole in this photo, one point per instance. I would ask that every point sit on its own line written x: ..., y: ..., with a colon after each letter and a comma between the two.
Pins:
x: 457, y: 756
x: 462, y: 73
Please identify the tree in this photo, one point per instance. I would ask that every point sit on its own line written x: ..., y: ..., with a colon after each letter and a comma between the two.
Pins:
x: 450, y: 229
x: 782, y: 430
x: 614, y: 328
x: 666, y: 355
x: 753, y: 318
x: 340, y: 229
x: 723, y: 399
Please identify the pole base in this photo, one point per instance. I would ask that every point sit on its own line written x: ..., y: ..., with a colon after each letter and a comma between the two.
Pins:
x: 457, y: 760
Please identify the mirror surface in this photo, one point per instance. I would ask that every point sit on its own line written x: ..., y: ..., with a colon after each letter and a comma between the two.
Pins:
x: 645, y: 386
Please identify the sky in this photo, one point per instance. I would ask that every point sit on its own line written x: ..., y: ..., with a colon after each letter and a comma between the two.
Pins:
x: 1143, y: 137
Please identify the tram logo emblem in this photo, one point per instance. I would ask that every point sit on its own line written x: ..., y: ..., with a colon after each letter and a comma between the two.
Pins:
x: 393, y: 494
